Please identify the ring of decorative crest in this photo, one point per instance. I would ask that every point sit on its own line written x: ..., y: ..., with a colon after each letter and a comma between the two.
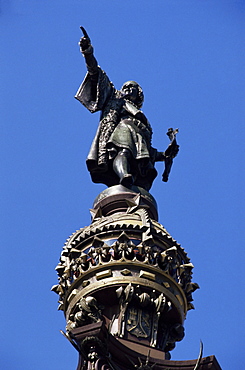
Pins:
x: 115, y: 239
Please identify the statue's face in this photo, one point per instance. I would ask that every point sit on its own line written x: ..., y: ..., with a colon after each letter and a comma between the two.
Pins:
x: 130, y: 90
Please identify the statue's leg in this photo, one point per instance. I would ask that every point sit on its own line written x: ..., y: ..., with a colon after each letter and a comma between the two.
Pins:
x: 122, y: 168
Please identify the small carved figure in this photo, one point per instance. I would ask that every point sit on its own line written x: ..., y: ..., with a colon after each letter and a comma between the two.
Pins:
x: 89, y: 312
x: 121, y: 152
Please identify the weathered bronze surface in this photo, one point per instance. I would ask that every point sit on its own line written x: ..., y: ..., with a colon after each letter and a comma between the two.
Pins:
x: 97, y: 346
x: 125, y: 285
x: 126, y: 272
x: 122, y: 151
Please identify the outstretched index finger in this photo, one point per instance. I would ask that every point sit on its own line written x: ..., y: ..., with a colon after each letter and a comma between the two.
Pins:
x: 84, y: 32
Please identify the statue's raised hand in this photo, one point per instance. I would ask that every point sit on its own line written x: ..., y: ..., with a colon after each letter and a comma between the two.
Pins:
x: 84, y: 42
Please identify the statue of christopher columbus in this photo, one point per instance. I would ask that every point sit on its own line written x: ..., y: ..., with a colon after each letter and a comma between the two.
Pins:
x: 121, y: 152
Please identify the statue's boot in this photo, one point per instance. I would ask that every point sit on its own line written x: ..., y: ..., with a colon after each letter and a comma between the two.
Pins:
x: 122, y: 168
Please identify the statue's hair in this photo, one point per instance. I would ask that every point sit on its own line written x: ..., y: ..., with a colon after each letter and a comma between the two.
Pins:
x: 140, y: 98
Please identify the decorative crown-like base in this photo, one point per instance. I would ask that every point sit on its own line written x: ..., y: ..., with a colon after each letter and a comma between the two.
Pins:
x: 124, y: 284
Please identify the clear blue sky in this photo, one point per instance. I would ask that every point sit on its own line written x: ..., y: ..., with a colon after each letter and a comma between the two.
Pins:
x: 188, y: 55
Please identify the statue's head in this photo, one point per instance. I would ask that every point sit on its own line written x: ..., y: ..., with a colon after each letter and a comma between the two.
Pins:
x: 133, y: 92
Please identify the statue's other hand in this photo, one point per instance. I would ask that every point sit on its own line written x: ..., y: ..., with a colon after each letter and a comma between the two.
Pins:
x: 84, y: 42
x: 172, y: 150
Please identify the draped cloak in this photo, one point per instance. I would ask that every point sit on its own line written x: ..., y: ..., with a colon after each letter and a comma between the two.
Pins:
x: 122, y: 126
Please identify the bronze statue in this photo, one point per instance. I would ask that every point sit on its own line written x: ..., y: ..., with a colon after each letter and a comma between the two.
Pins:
x: 121, y: 152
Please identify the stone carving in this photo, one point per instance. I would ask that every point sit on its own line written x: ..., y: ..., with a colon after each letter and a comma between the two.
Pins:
x: 173, y: 333
x: 96, y: 353
x: 121, y: 152
x: 140, y: 314
x: 75, y: 261
x: 88, y: 312
x: 132, y: 259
